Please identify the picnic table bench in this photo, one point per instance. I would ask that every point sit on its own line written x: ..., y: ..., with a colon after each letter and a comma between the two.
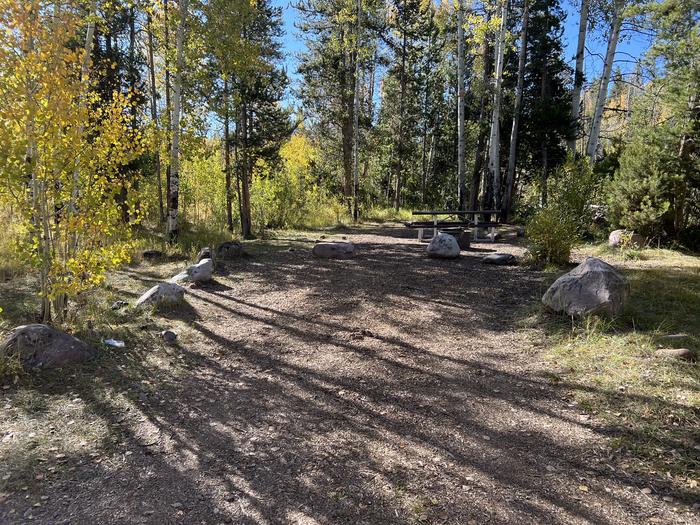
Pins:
x: 462, y: 222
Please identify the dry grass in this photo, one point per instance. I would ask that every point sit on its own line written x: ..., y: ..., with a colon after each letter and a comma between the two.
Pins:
x: 48, y: 418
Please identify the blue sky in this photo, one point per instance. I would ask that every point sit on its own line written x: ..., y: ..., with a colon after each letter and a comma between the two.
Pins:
x: 629, y: 48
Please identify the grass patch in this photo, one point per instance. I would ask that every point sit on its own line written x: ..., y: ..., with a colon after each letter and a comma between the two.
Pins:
x: 651, y: 402
x: 378, y: 214
x: 190, y: 240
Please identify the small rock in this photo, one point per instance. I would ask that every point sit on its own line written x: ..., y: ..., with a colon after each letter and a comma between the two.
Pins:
x: 646, y: 490
x: 116, y: 305
x: 500, y: 259
x: 625, y: 239
x: 333, y: 250
x: 676, y: 353
x: 169, y: 336
x: 443, y: 246
x: 198, y: 273
x: 162, y: 294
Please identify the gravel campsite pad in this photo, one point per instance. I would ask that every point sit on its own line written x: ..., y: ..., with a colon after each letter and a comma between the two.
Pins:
x: 385, y: 388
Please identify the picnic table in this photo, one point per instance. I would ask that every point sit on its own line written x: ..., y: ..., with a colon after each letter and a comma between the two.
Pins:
x: 463, y: 221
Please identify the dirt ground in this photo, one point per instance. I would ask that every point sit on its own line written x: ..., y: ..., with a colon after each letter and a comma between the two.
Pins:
x: 385, y: 389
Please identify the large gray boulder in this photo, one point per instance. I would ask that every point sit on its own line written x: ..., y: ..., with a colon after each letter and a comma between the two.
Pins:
x: 625, y: 239
x: 593, y: 287
x: 229, y: 250
x: 41, y: 346
x: 333, y: 250
x: 162, y: 294
x: 443, y: 246
x: 197, y: 273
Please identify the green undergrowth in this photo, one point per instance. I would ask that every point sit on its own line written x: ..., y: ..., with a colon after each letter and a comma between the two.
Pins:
x: 378, y: 214
x: 611, y: 370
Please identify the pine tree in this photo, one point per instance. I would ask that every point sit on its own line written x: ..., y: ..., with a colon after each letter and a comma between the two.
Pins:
x: 657, y: 187
x: 546, y: 123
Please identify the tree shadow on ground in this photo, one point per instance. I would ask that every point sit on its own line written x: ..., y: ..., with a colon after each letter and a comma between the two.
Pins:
x: 386, y: 389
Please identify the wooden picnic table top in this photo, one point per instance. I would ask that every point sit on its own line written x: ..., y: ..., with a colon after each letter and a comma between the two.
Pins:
x: 454, y: 212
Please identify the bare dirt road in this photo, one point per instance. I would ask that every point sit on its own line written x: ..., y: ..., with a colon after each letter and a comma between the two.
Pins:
x: 385, y: 389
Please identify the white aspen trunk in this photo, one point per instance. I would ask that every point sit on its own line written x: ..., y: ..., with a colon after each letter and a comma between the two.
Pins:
x: 84, y: 79
x: 356, y: 120
x: 36, y: 194
x: 512, y: 154
x: 175, y: 148
x: 578, y: 75
x: 495, y: 137
x: 402, y: 106
x: 594, y: 137
x: 154, y: 113
x: 461, y: 182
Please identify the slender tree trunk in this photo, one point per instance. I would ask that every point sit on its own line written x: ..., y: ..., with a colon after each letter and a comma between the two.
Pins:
x: 578, y: 75
x: 495, y: 135
x: 84, y: 79
x: 347, y: 145
x: 594, y: 137
x: 483, y: 130
x: 461, y: 179
x: 399, y: 149
x: 168, y: 101
x: 356, y: 120
x: 512, y: 154
x: 424, y: 161
x: 545, y: 156
x: 424, y: 164
x: 369, y: 108
x: 246, y: 170
x: 132, y: 78
x: 428, y: 169
x: 426, y: 119
x: 154, y: 114
x: 227, y: 156
x: 173, y: 226
x: 36, y: 195
x: 347, y: 130
x: 133, y: 73
x: 237, y: 166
